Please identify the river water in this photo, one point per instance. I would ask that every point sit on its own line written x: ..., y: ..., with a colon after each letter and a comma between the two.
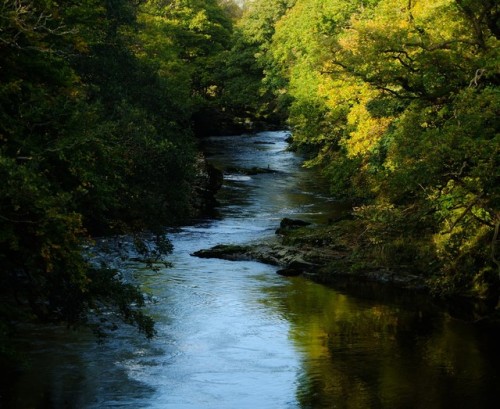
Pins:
x: 236, y: 335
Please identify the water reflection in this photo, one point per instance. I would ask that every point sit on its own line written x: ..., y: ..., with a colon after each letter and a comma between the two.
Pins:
x: 358, y: 353
x: 69, y: 370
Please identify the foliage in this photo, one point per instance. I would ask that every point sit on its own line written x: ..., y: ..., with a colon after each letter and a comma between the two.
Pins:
x: 191, y: 40
x: 260, y: 96
x: 97, y: 101
x: 398, y: 102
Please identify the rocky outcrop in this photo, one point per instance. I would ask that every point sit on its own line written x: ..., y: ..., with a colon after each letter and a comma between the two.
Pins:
x: 293, y: 260
x: 322, y: 259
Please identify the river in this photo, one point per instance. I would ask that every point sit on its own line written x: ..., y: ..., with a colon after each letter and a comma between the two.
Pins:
x: 237, y: 335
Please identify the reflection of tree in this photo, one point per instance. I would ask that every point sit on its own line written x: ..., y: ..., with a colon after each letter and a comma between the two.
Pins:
x: 361, y: 354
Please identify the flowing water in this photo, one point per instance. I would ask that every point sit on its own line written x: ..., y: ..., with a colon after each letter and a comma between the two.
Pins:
x: 236, y: 335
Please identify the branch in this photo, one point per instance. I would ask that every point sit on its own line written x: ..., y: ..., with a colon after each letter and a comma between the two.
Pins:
x: 24, y: 18
x: 477, y: 76
x: 373, y: 82
x: 395, y: 93
x: 459, y: 173
x: 397, y: 56
x: 482, y: 221
x: 467, y: 210
x: 445, y: 45
x: 17, y: 221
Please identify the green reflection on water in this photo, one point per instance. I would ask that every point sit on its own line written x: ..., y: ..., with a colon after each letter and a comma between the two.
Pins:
x: 359, y: 353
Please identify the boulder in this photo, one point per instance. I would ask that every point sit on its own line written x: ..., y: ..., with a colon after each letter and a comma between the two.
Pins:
x: 225, y: 252
x: 287, y: 224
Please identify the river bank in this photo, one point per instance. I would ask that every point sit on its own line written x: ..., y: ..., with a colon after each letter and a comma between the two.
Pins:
x: 324, y: 254
x: 318, y: 253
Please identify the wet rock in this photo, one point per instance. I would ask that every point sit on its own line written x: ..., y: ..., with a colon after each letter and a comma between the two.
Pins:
x: 287, y: 224
x: 255, y: 170
x: 265, y: 253
x: 301, y: 265
x: 293, y: 261
x: 297, y: 267
x: 293, y: 223
x: 225, y: 252
x: 289, y: 272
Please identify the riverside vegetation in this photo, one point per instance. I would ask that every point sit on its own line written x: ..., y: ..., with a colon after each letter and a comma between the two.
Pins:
x: 101, y: 101
x: 397, y: 102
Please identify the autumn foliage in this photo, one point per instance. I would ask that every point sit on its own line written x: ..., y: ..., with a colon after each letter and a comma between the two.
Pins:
x: 398, y: 101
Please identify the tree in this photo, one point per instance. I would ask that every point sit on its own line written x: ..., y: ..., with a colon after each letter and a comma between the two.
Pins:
x: 398, y: 109
x: 94, y: 139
